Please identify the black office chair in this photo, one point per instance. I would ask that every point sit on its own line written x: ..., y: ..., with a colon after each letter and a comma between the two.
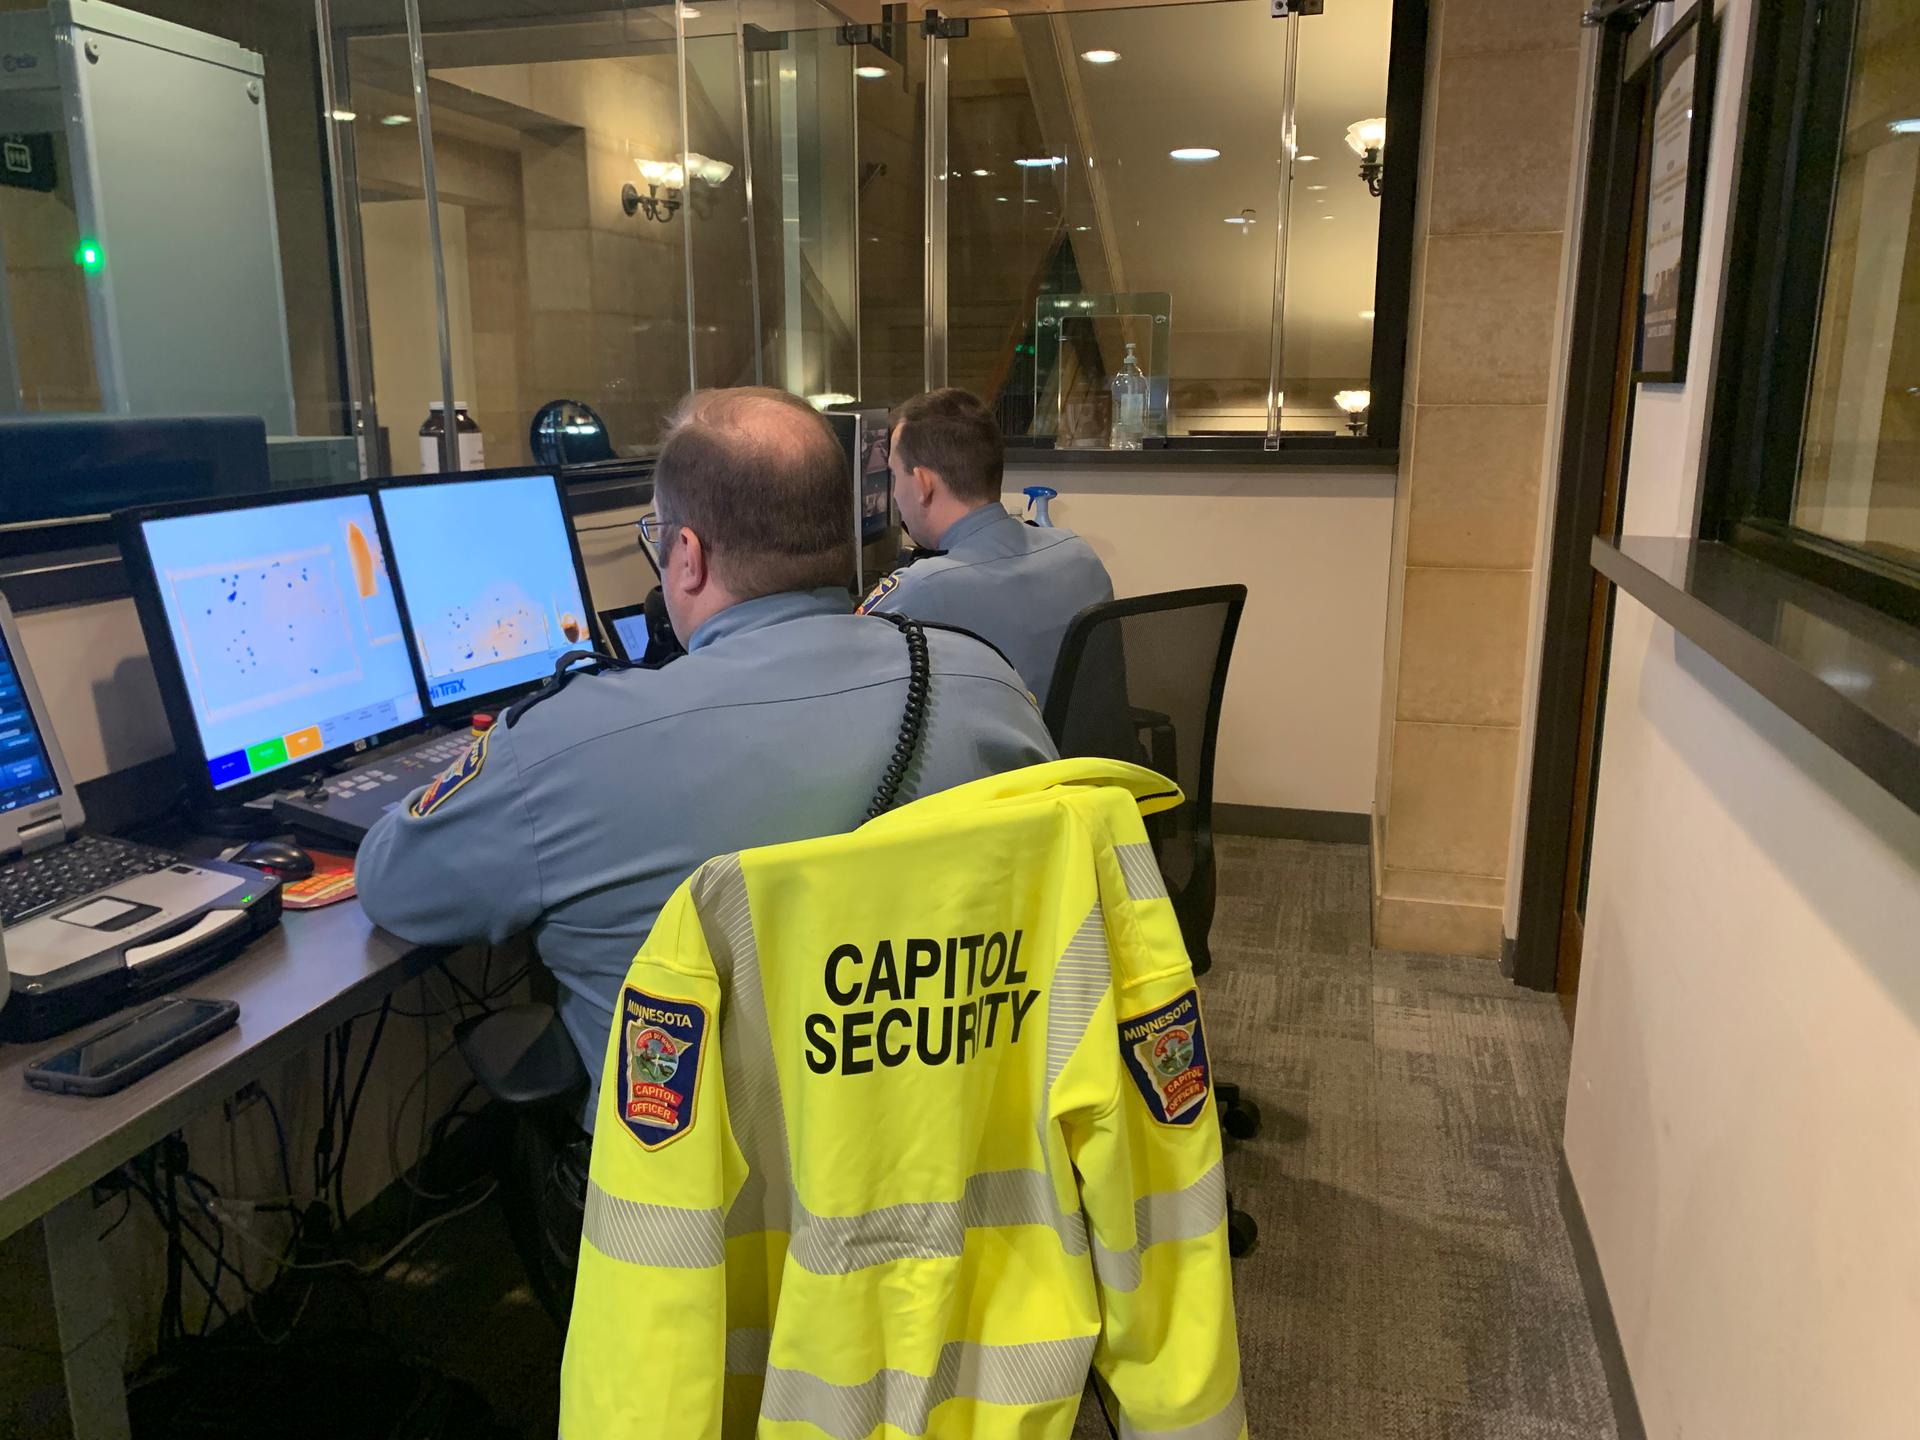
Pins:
x: 522, y: 1056
x: 1142, y: 680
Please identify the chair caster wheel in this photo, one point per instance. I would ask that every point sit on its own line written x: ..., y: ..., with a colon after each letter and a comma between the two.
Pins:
x: 1243, y: 1233
x: 1241, y: 1119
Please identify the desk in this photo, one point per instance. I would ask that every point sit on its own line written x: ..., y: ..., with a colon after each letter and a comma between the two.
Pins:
x: 313, y: 971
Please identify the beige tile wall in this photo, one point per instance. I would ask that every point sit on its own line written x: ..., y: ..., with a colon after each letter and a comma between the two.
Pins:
x: 1497, y: 171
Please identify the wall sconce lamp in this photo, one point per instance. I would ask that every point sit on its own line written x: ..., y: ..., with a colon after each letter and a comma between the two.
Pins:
x: 1355, y: 403
x: 671, y: 176
x: 1368, y: 140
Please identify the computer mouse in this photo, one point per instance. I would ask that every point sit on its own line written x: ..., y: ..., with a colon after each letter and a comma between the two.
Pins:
x: 276, y: 857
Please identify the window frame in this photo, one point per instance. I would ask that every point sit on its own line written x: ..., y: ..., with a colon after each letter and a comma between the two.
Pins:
x: 1800, y: 76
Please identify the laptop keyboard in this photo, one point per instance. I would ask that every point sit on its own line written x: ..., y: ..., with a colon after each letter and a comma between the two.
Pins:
x: 49, y: 878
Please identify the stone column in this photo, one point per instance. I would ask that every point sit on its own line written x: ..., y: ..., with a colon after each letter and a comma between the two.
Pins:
x: 1497, y: 172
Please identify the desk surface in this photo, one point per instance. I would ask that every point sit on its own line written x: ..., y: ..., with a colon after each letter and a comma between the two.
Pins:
x: 313, y: 970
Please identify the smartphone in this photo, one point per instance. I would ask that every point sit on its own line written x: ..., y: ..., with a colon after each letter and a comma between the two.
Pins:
x: 114, y: 1057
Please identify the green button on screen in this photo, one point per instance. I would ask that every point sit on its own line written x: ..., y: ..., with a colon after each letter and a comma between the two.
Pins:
x: 266, y: 755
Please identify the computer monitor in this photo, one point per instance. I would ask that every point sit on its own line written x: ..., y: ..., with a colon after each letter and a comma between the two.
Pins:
x: 491, y: 579
x: 275, y: 632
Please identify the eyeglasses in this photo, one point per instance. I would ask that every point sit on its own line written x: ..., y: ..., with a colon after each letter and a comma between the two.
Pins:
x: 656, y: 529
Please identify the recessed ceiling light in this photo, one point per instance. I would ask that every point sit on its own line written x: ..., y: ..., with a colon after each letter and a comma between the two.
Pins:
x: 1326, y: 217
x: 870, y: 72
x: 1195, y: 152
x: 345, y: 117
x: 1238, y: 220
x: 396, y: 119
x: 1100, y: 57
x: 1306, y: 158
x: 1082, y: 229
x: 1032, y: 201
x: 1316, y: 187
x: 1001, y: 198
x: 983, y: 172
x: 1040, y: 162
x: 1904, y: 127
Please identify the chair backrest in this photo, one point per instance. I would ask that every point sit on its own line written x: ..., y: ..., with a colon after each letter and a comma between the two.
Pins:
x: 1142, y: 679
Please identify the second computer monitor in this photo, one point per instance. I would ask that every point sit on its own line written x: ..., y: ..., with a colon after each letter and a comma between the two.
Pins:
x: 491, y: 579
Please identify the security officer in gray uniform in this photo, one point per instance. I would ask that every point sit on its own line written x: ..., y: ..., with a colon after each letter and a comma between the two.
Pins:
x: 576, y: 816
x: 1014, y: 584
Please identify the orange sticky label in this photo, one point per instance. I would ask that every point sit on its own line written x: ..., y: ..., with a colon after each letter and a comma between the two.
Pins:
x: 303, y: 742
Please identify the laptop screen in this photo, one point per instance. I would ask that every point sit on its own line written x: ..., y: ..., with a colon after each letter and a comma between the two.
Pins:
x: 492, y: 588
x: 284, y: 622
x: 26, y: 774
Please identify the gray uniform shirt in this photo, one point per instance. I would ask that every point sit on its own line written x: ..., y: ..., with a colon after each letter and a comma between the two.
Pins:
x: 582, y: 818
x: 1014, y: 584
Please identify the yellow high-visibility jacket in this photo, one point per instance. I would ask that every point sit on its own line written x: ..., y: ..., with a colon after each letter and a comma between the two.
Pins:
x: 902, y: 1131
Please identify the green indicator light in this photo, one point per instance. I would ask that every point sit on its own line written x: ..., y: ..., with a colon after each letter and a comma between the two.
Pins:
x: 89, y: 256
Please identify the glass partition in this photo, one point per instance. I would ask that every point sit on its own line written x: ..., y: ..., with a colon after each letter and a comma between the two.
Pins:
x: 1118, y: 151
x: 566, y: 216
x: 890, y: 187
x: 801, y: 88
x: 280, y: 208
x: 1340, y: 106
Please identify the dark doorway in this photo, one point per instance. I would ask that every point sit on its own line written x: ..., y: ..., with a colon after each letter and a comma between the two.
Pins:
x: 1591, y: 492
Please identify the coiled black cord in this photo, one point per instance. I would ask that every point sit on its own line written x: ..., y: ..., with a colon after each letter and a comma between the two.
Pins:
x: 912, y: 720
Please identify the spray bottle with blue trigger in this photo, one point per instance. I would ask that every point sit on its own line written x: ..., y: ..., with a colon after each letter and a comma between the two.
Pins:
x: 1037, y: 498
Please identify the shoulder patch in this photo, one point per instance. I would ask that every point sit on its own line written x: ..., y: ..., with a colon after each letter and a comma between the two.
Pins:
x: 1166, y: 1054
x: 452, y: 778
x: 662, y: 1049
x: 879, y: 592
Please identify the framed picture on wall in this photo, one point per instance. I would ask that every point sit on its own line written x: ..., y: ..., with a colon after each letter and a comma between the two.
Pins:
x: 1682, y: 97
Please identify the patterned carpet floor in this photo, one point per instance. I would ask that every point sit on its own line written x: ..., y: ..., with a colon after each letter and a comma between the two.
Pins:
x: 1414, y: 1279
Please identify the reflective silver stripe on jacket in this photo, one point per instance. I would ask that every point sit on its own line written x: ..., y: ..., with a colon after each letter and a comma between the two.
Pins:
x: 1080, y: 981
x: 839, y: 1245
x: 754, y: 1108
x: 1185, y: 1214
x: 747, y: 1351
x: 1225, y: 1425
x: 1141, y: 870
x: 644, y: 1234
x: 920, y: 1230
x: 1031, y: 1374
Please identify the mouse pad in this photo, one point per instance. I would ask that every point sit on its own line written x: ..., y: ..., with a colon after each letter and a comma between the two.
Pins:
x: 330, y: 882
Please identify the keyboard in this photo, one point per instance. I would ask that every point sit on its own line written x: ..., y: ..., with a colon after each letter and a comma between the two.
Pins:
x: 409, y: 768
x: 69, y: 871
x: 352, y: 802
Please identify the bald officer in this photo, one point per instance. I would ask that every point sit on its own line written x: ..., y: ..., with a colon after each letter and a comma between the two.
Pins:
x: 1014, y: 584
x: 578, y: 817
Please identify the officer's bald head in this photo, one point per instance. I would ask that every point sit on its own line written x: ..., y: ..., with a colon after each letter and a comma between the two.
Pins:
x: 757, y: 474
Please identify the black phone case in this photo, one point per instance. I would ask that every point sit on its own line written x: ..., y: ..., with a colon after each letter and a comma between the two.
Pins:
x: 223, y: 1018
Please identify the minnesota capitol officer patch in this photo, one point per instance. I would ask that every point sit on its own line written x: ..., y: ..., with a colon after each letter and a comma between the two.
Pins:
x: 1166, y: 1054
x: 662, y: 1045
x: 879, y: 592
